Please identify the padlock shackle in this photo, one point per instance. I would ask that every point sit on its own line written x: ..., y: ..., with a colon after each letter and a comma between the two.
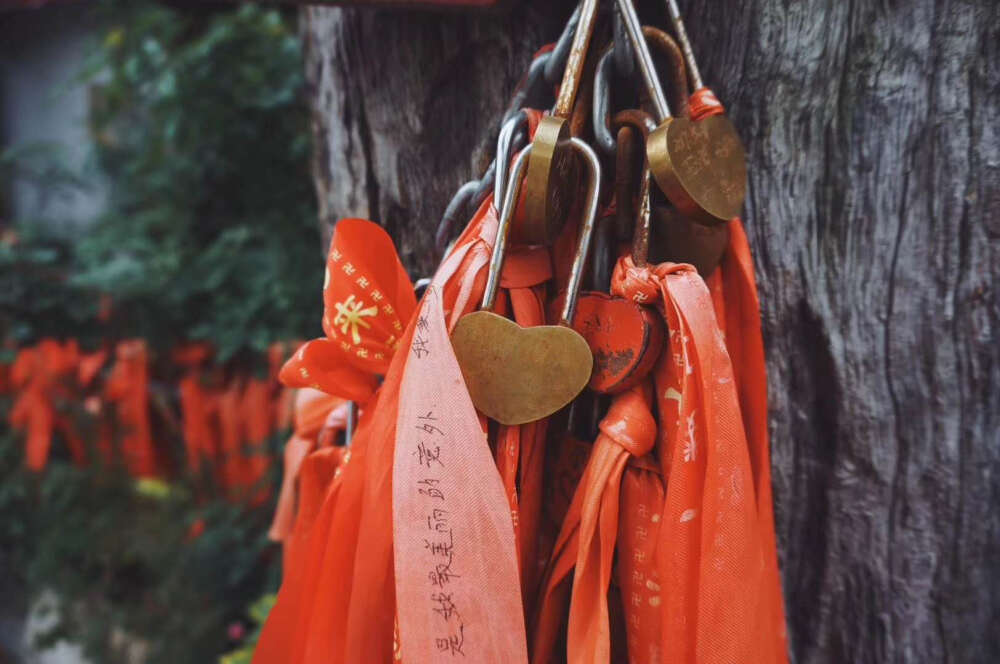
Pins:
x: 503, y: 229
x: 593, y: 167
x: 640, y: 236
x: 645, y: 60
x: 506, y: 145
x: 574, y: 62
x: 685, y: 44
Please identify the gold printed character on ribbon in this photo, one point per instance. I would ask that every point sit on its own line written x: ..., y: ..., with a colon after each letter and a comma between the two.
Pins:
x: 351, y: 314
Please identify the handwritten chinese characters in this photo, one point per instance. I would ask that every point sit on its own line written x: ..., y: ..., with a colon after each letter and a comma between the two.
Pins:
x: 439, y: 540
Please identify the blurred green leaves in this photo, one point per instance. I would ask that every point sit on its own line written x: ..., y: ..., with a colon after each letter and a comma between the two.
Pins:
x: 202, y: 131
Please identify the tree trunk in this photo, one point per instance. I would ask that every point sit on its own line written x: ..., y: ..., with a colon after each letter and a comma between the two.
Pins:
x: 873, y: 209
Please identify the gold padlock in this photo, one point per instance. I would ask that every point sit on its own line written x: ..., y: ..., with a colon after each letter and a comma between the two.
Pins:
x: 517, y: 375
x: 552, y: 169
x: 698, y: 165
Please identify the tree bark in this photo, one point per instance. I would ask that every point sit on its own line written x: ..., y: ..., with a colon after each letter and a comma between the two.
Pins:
x: 873, y: 209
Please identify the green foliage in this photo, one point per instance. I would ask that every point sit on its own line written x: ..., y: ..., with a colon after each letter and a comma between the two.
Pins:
x: 125, y: 561
x: 210, y: 234
x: 201, y: 129
x: 36, y: 297
x: 258, y: 612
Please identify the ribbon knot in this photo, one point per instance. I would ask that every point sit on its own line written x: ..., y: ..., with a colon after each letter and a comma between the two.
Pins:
x: 630, y: 423
x: 703, y: 103
x: 633, y: 282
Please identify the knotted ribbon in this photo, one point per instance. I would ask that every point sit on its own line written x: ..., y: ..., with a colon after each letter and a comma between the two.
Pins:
x: 628, y: 430
x: 711, y: 550
x: 586, y: 542
x: 312, y: 408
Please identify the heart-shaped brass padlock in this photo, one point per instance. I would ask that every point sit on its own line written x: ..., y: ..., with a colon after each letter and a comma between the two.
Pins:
x: 517, y: 375
x: 699, y: 165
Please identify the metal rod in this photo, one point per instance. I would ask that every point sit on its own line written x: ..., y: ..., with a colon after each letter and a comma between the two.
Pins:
x: 574, y: 63
x: 503, y: 227
x: 682, y: 38
x: 640, y: 238
x: 593, y: 166
x: 644, y: 59
x: 504, y: 145
x: 352, y: 422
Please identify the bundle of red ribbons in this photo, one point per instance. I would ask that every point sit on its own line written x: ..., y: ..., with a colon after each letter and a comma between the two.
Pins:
x: 657, y: 537
x: 441, y: 534
x: 103, y: 401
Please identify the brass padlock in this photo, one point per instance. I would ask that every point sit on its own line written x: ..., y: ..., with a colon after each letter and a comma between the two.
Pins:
x: 552, y: 170
x: 517, y: 375
x: 676, y: 238
x: 698, y: 165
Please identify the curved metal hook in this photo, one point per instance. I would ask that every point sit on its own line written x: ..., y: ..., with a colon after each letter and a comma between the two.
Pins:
x: 505, y: 148
x: 600, y: 118
x: 455, y: 210
x: 560, y: 54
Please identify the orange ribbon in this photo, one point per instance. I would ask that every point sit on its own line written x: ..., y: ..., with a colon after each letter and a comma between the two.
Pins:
x: 42, y: 375
x: 735, y: 285
x: 628, y: 429
x: 703, y: 103
x: 341, y: 606
x: 586, y: 542
x: 638, y: 578
x: 312, y: 409
x: 367, y: 299
x: 200, y: 441
x: 128, y: 387
x: 711, y: 549
x: 307, y: 625
x: 456, y: 568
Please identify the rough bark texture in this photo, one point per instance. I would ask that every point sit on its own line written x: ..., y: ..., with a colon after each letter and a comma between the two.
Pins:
x: 873, y: 136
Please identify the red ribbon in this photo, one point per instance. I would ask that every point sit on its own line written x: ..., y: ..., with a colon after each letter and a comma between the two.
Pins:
x: 456, y: 563
x: 367, y: 298
x: 128, y: 387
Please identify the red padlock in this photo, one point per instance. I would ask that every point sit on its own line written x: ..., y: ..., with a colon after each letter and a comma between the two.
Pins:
x: 625, y: 337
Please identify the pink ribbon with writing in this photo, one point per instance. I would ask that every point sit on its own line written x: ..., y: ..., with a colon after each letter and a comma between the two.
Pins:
x: 457, y: 588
